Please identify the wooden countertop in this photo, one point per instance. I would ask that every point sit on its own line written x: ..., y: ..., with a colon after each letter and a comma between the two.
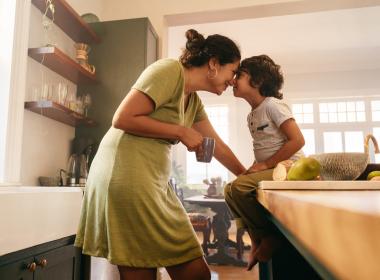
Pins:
x: 341, y: 229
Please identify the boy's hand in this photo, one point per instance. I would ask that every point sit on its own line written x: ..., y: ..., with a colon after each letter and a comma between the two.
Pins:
x: 256, y: 167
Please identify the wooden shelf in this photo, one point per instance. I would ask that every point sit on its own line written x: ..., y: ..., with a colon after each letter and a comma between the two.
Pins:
x: 69, y: 21
x: 59, y: 113
x: 59, y: 62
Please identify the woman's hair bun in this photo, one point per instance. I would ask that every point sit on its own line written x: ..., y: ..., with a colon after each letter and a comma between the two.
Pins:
x: 195, y: 41
x: 199, y: 51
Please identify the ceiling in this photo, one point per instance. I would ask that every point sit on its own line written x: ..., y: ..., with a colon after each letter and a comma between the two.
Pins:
x: 334, y: 40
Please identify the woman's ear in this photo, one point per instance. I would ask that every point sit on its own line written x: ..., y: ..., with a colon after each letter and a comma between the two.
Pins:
x: 213, y: 64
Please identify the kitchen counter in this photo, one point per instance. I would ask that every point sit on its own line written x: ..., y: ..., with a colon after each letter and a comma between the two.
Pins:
x: 339, y: 228
x: 35, y: 215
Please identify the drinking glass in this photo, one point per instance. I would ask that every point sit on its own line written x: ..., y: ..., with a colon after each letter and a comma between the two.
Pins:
x: 62, y: 93
x: 86, y: 103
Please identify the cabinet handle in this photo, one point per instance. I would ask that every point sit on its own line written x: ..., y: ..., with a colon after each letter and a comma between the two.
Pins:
x: 43, y: 263
x: 31, y: 267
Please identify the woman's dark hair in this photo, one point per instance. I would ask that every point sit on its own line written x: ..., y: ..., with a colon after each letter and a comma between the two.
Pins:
x: 264, y: 75
x: 199, y: 50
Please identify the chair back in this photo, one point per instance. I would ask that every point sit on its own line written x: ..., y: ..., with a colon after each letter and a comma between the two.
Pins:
x: 178, y: 191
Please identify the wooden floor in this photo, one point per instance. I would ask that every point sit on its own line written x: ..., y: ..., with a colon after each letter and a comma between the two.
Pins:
x: 102, y: 270
x: 223, y: 272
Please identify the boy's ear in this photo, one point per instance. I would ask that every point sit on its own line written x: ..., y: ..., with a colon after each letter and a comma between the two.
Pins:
x: 255, y: 84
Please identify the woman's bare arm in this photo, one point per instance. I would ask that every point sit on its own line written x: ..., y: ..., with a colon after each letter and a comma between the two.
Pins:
x: 132, y: 116
x: 222, y: 152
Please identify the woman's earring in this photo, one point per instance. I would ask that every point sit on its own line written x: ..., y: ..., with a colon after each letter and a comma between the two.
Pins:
x: 212, y: 76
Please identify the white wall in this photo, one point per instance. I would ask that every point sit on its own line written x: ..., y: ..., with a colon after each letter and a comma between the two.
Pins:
x: 46, y: 143
x: 157, y: 10
x: 174, y: 13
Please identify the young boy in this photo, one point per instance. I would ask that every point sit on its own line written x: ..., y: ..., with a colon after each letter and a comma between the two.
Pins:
x: 276, y: 137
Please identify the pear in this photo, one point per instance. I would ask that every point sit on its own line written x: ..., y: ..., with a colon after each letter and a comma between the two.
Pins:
x: 306, y: 168
x: 373, y: 174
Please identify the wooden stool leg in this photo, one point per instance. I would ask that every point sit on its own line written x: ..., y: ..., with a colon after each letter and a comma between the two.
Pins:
x: 240, y: 243
x: 206, y: 237
x: 213, y: 228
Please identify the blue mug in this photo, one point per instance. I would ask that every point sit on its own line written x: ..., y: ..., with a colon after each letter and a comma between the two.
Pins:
x: 206, y: 150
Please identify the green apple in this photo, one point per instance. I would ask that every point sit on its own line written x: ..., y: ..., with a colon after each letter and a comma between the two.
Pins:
x: 304, y: 169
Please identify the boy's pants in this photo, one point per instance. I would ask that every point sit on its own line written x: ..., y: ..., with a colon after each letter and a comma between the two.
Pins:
x: 241, y: 198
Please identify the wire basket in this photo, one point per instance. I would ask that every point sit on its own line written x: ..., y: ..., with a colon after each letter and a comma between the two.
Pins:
x: 341, y: 166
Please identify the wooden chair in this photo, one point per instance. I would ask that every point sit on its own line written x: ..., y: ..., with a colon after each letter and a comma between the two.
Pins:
x: 199, y: 221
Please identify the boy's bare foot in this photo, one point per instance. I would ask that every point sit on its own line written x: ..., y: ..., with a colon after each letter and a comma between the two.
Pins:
x: 267, y: 247
x: 252, y: 260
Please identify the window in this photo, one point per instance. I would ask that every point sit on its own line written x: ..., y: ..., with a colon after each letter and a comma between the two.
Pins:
x: 332, y: 142
x: 196, y: 172
x: 376, y: 133
x: 334, y: 112
x: 309, y: 148
x: 340, y: 124
x: 7, y: 14
x: 353, y: 141
x: 375, y: 106
x: 303, y: 113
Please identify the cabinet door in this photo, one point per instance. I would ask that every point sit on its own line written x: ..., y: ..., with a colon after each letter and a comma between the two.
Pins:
x: 59, y: 264
x: 17, y: 270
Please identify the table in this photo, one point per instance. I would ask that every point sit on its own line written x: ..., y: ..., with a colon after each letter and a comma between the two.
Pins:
x: 222, y: 223
x: 336, y: 232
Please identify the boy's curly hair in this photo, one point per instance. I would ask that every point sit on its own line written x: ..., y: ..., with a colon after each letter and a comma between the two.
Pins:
x: 264, y: 75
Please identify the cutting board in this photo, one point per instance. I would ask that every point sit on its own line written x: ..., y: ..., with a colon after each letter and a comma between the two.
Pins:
x: 320, y: 185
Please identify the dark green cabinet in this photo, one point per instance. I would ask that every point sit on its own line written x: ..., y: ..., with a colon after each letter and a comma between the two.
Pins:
x: 127, y: 48
x: 56, y: 260
x: 17, y: 270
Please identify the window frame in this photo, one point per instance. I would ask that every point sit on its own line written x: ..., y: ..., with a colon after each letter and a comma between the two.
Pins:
x: 13, y: 139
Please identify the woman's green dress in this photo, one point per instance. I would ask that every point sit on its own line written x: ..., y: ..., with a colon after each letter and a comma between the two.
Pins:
x: 130, y: 214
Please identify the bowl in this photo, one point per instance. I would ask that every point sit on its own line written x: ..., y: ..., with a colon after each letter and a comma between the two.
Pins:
x: 48, y: 181
x: 341, y: 166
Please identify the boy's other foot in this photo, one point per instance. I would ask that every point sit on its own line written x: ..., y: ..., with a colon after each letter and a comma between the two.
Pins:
x: 252, y: 260
x: 267, y: 247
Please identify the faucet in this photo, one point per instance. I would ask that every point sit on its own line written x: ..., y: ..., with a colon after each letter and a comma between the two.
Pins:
x: 366, y: 144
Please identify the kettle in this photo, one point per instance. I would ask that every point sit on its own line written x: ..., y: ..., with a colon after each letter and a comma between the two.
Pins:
x: 77, y: 170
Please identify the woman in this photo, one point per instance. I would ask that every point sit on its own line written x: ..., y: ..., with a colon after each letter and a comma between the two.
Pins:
x: 130, y: 214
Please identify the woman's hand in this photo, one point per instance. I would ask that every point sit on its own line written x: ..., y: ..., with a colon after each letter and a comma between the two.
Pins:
x: 191, y: 138
x: 222, y: 152
x: 256, y: 167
